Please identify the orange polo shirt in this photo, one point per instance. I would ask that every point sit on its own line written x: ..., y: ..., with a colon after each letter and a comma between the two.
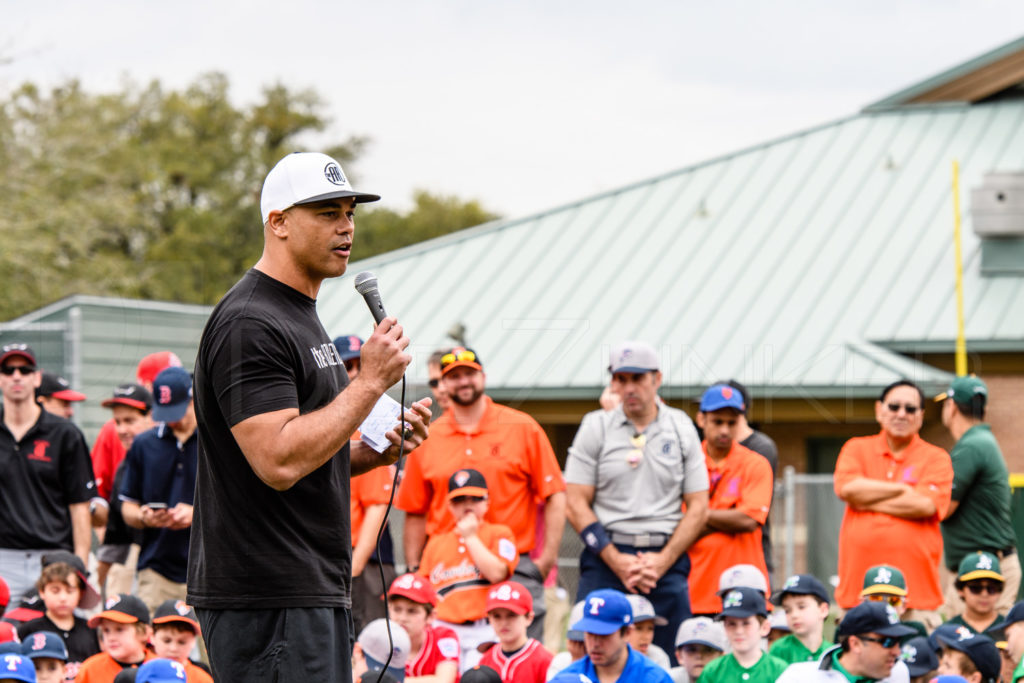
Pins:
x: 369, y: 488
x: 461, y: 588
x: 512, y: 452
x: 742, y: 481
x: 868, y: 538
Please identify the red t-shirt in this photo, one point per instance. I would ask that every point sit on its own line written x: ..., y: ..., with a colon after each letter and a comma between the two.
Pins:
x: 440, y: 644
x: 867, y: 538
x: 107, y: 454
x: 512, y: 452
x: 528, y: 665
x: 741, y: 481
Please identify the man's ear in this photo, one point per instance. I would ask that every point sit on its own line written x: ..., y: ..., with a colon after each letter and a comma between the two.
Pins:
x: 277, y: 224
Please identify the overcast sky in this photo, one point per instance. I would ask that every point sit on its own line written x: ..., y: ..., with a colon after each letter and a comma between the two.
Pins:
x: 528, y: 105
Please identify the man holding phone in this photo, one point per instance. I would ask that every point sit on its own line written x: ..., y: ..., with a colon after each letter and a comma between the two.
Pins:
x: 158, y: 489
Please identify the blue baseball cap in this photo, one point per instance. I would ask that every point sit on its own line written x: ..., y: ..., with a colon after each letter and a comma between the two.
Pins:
x: 17, y: 667
x: 45, y: 644
x: 722, y: 396
x: 918, y: 655
x: 605, y: 611
x: 802, y: 584
x: 348, y: 346
x: 172, y: 392
x: 980, y: 649
x: 161, y: 671
x: 1015, y: 614
x: 873, y: 617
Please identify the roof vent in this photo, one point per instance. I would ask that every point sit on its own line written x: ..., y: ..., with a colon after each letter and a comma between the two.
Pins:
x: 997, y: 215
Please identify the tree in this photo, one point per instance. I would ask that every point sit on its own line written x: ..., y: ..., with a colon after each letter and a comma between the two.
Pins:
x: 141, y: 193
x: 379, y: 230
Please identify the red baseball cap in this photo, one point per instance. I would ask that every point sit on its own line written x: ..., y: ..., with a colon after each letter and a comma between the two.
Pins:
x: 512, y: 596
x: 415, y: 588
x: 153, y: 364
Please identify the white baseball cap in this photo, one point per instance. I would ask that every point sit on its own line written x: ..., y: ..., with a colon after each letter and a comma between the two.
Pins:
x: 742, y: 576
x: 304, y: 178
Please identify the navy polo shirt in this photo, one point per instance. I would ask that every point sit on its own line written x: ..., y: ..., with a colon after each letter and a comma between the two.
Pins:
x: 158, y: 469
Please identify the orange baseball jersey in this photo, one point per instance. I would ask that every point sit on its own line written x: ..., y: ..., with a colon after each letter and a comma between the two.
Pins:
x: 461, y: 588
x: 741, y: 481
x: 512, y: 452
x: 868, y: 538
x: 369, y: 488
x: 195, y: 674
x: 102, y: 668
x: 529, y: 664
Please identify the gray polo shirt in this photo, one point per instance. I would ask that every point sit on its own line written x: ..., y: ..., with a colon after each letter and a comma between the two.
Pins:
x: 645, y: 495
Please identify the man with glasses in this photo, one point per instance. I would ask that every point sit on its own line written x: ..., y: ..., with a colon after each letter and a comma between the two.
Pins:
x: 441, y: 401
x: 979, y: 512
x: 869, y: 650
x: 628, y: 472
x: 513, y: 454
x: 47, y: 479
x: 896, y: 487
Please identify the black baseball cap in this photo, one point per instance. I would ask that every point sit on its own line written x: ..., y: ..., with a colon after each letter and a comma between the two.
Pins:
x: 467, y: 482
x: 131, y: 395
x: 802, y: 584
x: 56, y: 386
x: 124, y: 609
x: 17, y: 349
x: 743, y: 602
x: 980, y: 649
x: 873, y: 617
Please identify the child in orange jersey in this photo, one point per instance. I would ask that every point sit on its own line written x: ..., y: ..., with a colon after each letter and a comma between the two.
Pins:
x: 124, y: 631
x: 175, y: 629
x: 462, y: 563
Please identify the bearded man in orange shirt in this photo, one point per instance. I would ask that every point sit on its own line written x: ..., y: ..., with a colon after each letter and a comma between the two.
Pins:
x: 896, y: 487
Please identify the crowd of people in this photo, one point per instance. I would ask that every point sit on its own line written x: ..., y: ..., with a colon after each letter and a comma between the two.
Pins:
x: 228, y: 524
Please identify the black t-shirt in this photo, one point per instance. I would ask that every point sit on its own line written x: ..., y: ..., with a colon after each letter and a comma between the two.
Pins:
x: 81, y: 641
x: 42, y: 474
x: 263, y: 350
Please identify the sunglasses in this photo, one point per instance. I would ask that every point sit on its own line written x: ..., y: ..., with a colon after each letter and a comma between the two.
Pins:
x: 990, y: 588
x: 909, y: 408
x: 884, y: 641
x: 894, y: 600
x: 23, y: 370
x: 458, y: 355
x: 638, y: 441
x: 433, y: 383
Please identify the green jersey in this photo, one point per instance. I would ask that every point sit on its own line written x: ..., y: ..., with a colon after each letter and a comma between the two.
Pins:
x: 790, y: 650
x: 726, y: 669
x: 981, y: 486
x: 1018, y: 673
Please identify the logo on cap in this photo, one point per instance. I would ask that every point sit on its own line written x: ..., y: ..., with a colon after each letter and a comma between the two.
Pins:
x: 595, y: 605
x: 791, y: 582
x: 461, y: 477
x: 883, y: 576
x: 504, y: 592
x: 733, y: 599
x: 333, y: 174
x: 984, y: 562
x: 181, y: 608
x: 891, y: 614
x: 909, y: 654
x: 963, y: 633
x: 407, y: 581
x: 38, y: 641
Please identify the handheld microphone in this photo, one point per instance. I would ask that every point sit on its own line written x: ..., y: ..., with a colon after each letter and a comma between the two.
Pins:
x: 366, y: 284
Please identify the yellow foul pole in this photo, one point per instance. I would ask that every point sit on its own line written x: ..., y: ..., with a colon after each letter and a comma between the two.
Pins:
x: 961, y: 339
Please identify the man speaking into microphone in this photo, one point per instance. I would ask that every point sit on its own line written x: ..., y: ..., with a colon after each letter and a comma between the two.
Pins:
x: 269, y: 568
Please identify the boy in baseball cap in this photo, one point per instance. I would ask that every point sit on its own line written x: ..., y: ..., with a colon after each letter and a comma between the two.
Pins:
x: 641, y: 638
x: 175, y: 630
x: 433, y: 649
x: 517, y: 657
x: 462, y: 562
x: 973, y: 656
x: 699, y: 640
x: 124, y: 631
x: 979, y: 584
x: 805, y: 601
x: 606, y: 623
x: 373, y: 648
x: 1013, y: 628
x: 48, y: 654
x: 921, y: 660
x: 56, y: 396
x: 745, y: 617
x: 15, y: 666
x: 885, y: 583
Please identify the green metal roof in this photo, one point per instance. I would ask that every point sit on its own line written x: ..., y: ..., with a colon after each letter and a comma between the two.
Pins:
x: 795, y: 266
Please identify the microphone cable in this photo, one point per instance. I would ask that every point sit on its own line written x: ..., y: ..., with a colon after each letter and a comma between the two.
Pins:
x: 382, y: 529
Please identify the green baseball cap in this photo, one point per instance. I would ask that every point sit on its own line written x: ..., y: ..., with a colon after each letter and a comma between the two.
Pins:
x: 979, y: 565
x: 884, y: 578
x: 963, y: 389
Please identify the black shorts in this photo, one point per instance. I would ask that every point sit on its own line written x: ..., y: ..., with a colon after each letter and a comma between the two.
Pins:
x: 299, y: 645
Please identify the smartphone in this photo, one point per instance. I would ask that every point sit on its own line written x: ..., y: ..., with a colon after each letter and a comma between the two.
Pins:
x: 157, y: 506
